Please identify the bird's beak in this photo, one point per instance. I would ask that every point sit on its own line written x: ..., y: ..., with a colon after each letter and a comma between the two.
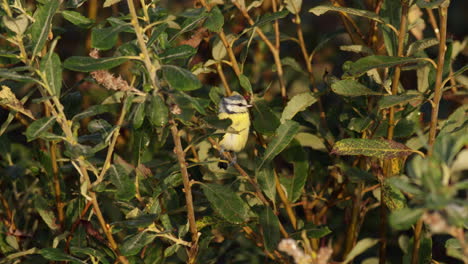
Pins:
x: 249, y: 105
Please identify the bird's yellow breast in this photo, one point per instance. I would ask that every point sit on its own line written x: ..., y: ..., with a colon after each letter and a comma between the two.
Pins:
x: 236, y: 140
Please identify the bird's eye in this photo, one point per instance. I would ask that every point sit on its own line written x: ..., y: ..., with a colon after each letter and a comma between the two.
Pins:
x: 240, y: 104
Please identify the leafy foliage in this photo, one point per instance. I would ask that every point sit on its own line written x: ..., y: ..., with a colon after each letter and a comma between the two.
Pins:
x: 112, y: 156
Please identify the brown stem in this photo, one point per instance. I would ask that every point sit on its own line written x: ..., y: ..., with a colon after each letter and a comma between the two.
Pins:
x: 438, y: 83
x: 417, y: 242
x: 276, y: 25
x: 351, y: 27
x: 97, y: 210
x: 149, y: 65
x: 187, y: 190
x: 396, y: 76
x: 227, y: 90
x: 226, y: 44
x: 285, y: 201
x: 55, y: 170
x: 353, y: 226
x: 391, y: 128
x: 305, y: 54
x: 433, y: 22
x: 274, y: 51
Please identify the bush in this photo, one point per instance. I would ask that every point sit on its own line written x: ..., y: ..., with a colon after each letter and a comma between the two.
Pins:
x: 110, y: 132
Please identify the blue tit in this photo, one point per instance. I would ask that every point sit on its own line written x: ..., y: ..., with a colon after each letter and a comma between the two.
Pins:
x: 234, y: 107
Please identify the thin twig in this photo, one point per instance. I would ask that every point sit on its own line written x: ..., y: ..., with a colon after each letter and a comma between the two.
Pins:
x: 150, y: 66
x: 438, y: 83
x: 275, y: 52
x: 187, y: 190
x: 285, y: 201
x: 110, y: 150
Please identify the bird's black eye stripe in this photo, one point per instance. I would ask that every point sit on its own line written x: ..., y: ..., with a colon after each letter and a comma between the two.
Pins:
x: 240, y: 104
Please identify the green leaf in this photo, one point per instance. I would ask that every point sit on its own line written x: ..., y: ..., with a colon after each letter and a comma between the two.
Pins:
x: 139, y: 115
x: 58, y: 254
x: 95, y: 110
x: 99, y: 126
x: 106, y: 38
x: 312, y: 231
x: 432, y: 3
x: 120, y: 178
x: 108, y: 3
x: 18, y: 24
x: 77, y: 19
x: 179, y: 52
x: 46, y: 213
x: 9, y: 74
x: 294, y: 6
x: 322, y: 9
x: 379, y: 148
x: 215, y: 20
x: 42, y: 24
x: 226, y: 203
x: 51, y: 66
x: 297, y: 104
x: 392, y: 197
x: 454, y: 249
x: 421, y: 45
x: 404, y: 218
x: 38, y: 127
x: 134, y: 243
x: 270, y: 227
x: 180, y: 79
x: 351, y: 88
x: 284, y: 134
x: 365, y: 64
x: 266, y: 181
x: 99, y: 255
x: 392, y: 100
x: 88, y: 64
x: 264, y: 121
x: 245, y: 83
x: 359, y: 248
x: 268, y: 18
x: 156, y: 111
x: 141, y: 221
x: 294, y: 184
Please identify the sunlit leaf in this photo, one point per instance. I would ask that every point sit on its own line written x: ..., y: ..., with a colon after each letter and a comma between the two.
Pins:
x: 360, y: 247
x: 297, y: 104
x: 378, y: 148
x: 77, y: 19
x: 351, y: 88
x: 322, y: 9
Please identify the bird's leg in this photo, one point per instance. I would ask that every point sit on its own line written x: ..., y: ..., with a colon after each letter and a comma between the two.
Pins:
x: 222, y: 164
x: 234, y: 158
